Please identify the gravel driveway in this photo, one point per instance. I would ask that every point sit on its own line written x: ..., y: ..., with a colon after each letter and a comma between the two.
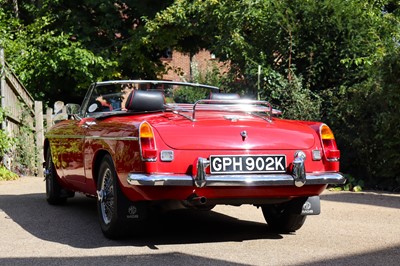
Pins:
x: 353, y: 229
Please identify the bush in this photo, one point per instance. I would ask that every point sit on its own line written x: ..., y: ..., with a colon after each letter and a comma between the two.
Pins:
x: 5, y: 141
x: 6, y: 174
x: 291, y: 97
x: 6, y: 144
x: 366, y: 120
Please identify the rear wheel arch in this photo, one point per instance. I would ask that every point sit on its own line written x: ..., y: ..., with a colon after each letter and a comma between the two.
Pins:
x: 98, y: 158
x: 56, y: 194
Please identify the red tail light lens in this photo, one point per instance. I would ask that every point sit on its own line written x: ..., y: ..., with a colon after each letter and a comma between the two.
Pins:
x: 147, y: 143
x: 329, y: 144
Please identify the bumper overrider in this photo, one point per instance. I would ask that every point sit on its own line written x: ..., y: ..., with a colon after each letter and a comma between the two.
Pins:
x: 298, y: 178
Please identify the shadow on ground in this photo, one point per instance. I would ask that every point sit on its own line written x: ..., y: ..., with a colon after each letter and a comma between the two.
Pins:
x: 386, y: 256
x: 367, y: 198
x: 76, y: 224
x: 143, y: 260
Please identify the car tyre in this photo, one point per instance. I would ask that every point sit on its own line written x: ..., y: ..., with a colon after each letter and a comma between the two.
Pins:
x: 110, y: 201
x: 55, y: 193
x: 279, y: 218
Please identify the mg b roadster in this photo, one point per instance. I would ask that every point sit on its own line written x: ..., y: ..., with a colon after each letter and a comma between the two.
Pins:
x: 139, y: 146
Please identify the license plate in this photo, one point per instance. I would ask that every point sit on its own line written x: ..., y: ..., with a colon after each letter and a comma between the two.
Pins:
x: 231, y: 164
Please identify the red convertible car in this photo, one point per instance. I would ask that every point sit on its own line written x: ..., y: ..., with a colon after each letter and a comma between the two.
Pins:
x: 139, y: 146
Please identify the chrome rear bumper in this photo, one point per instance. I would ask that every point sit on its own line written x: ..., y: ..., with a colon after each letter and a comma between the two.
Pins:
x: 298, y: 178
x: 322, y: 178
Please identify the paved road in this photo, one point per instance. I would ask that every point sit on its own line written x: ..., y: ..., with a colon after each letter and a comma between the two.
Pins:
x: 353, y: 229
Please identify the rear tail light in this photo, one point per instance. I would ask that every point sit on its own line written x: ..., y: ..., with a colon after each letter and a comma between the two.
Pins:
x: 148, y: 149
x: 330, y: 149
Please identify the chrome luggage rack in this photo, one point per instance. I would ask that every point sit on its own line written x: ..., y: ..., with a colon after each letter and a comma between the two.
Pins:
x: 252, y: 107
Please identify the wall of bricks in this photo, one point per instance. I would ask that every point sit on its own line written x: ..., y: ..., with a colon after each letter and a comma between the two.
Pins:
x: 179, y: 65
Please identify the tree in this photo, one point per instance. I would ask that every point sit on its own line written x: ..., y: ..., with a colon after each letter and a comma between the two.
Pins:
x: 59, y: 47
x: 49, y: 64
x: 325, y: 44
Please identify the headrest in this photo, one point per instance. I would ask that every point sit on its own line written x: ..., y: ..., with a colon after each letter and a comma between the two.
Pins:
x: 139, y: 100
x: 224, y: 96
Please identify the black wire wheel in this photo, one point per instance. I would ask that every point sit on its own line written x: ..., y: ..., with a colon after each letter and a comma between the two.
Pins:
x: 110, y: 201
x: 55, y: 194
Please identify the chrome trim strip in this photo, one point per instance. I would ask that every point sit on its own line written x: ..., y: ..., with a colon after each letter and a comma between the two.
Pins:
x: 112, y: 138
x: 138, y: 179
x: 91, y: 137
x: 53, y: 136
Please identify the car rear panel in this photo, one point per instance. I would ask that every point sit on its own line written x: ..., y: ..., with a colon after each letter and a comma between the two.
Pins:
x: 213, y: 135
x: 225, y: 132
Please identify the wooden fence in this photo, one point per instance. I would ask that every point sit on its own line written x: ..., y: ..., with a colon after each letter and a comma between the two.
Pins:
x: 24, y: 116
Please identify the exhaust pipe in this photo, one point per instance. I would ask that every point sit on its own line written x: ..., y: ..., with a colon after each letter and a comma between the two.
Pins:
x: 196, y: 200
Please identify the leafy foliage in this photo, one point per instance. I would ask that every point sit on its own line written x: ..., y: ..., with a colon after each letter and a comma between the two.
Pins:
x: 370, y: 138
x: 5, y: 141
x: 352, y: 184
x: 58, y: 48
x: 296, y: 101
x: 5, y: 145
x: 6, y: 174
x: 49, y: 63
x: 189, y: 95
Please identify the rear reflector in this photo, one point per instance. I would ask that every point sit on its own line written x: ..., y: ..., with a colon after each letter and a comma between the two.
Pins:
x: 333, y: 155
x: 167, y: 155
x: 316, y: 155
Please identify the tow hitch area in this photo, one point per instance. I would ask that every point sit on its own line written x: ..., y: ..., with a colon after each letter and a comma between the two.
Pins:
x: 312, y: 206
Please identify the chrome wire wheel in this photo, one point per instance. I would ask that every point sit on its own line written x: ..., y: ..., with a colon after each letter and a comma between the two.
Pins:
x: 54, y: 191
x: 109, y: 200
x: 113, y: 207
x: 106, y: 197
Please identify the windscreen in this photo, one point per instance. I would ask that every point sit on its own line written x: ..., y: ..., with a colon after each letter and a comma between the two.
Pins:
x: 113, y: 97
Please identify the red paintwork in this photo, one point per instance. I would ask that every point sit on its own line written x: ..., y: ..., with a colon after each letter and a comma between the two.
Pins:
x: 182, y: 193
x: 76, y: 150
x: 213, y: 132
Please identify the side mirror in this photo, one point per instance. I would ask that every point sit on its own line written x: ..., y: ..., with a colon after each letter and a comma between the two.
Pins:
x: 66, y: 112
x: 72, y: 108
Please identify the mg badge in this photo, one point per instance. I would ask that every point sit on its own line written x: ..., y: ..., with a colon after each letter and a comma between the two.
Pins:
x: 243, y: 134
x: 132, y: 212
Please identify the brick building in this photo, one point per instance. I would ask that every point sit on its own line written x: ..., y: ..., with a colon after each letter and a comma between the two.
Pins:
x: 183, y: 67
